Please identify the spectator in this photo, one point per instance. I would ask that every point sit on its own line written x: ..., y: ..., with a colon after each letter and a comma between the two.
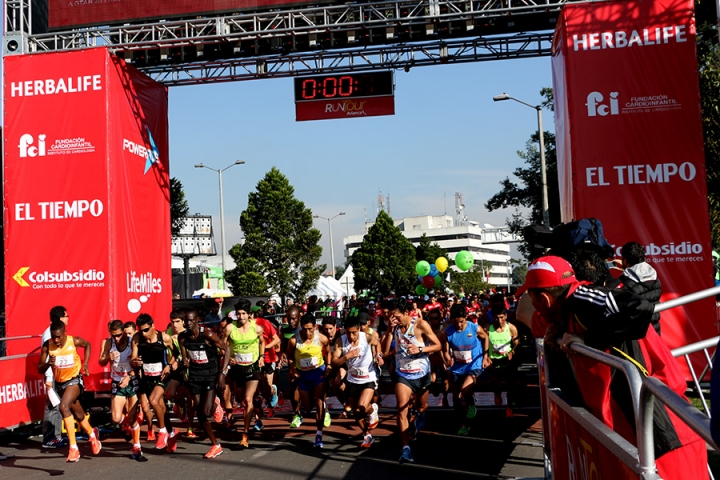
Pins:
x: 640, y: 278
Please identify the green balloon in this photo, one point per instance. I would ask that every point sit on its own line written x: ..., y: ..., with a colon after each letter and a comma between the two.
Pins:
x: 422, y: 268
x: 420, y: 290
x: 464, y: 260
x: 438, y: 280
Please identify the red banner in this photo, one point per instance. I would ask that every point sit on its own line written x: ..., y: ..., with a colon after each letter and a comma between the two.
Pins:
x: 22, y: 391
x: 578, y: 454
x: 87, y: 223
x: 630, y: 142
x: 345, y: 108
x: 66, y: 14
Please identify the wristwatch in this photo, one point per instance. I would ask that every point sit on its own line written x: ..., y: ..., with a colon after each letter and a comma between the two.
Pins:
x: 421, y: 348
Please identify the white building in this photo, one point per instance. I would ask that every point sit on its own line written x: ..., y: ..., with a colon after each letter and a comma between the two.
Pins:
x: 439, y: 229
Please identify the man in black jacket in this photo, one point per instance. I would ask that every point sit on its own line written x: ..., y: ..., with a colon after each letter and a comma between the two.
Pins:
x: 640, y: 278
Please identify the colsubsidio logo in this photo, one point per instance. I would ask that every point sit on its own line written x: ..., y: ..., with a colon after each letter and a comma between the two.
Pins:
x: 595, y: 105
x: 151, y: 154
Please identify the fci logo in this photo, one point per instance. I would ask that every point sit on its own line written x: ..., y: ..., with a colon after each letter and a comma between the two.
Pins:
x: 27, y: 149
x: 596, y: 106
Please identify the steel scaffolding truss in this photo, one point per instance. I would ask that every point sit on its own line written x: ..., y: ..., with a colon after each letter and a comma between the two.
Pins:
x: 313, y: 39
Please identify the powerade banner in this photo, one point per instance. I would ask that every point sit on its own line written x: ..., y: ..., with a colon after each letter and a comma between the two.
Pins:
x: 630, y: 142
x: 86, y: 196
x: 66, y: 14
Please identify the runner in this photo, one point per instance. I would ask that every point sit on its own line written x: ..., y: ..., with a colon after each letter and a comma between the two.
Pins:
x: 117, y: 351
x: 270, y: 357
x: 289, y: 328
x: 465, y: 353
x: 357, y: 350
x: 60, y: 354
x: 176, y: 390
x: 414, y: 341
x: 335, y: 374
x: 246, y: 342
x: 145, y: 413
x: 503, y: 340
x: 150, y: 354
x: 363, y: 317
x: 440, y: 382
x: 307, y: 365
x: 199, y: 347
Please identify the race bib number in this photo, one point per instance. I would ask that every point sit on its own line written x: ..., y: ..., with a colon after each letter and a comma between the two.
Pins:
x: 408, y: 365
x: 503, y: 349
x: 198, y: 356
x: 64, y: 361
x: 359, y: 373
x: 244, y: 358
x: 309, y: 363
x: 153, y: 369
x: 463, y: 356
x: 121, y: 368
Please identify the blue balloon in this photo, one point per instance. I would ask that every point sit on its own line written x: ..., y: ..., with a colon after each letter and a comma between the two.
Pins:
x: 433, y: 270
x: 420, y: 278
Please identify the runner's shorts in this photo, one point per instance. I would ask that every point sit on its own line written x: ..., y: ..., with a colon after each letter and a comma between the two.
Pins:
x: 418, y: 385
x: 242, y: 374
x: 353, y: 390
x: 130, y: 389
x: 61, y: 386
x: 309, y: 379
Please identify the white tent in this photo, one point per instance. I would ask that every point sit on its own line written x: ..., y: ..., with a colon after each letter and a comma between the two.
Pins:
x: 329, y: 286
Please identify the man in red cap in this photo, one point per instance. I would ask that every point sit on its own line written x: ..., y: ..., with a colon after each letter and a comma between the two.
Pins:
x: 618, y: 322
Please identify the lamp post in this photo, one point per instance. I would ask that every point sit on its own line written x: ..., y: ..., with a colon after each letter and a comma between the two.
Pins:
x: 222, y: 211
x: 543, y: 166
x: 332, y: 251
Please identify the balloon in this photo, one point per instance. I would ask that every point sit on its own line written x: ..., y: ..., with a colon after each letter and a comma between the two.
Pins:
x: 420, y: 278
x: 422, y: 268
x: 433, y: 270
x: 464, y: 260
x: 438, y: 280
x: 441, y: 264
x: 420, y: 290
x: 428, y: 281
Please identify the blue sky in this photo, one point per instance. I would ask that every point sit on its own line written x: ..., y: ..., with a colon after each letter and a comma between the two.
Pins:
x: 446, y: 136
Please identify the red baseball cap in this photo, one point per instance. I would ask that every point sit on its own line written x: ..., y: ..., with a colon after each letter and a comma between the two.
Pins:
x: 547, y: 272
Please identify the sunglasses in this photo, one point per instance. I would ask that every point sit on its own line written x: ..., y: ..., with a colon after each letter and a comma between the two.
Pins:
x: 145, y: 330
x: 118, y: 335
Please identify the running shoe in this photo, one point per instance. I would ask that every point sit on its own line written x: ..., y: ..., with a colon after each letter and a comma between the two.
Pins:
x: 318, y: 442
x: 244, y: 441
x: 55, y: 443
x: 374, y: 417
x: 419, y: 421
x: 367, y: 441
x: 73, y: 455
x: 327, y: 420
x: 464, y: 430
x: 172, y: 442
x: 297, y: 420
x: 471, y: 412
x: 258, y: 425
x: 136, y: 453
x: 162, y: 440
x: 190, y: 434
x: 215, y: 450
x: 218, y: 411
x: 151, y: 435
x: 127, y: 433
x: 346, y: 413
x: 95, y: 442
x: 406, y: 456
x: 274, y: 397
x: 140, y: 417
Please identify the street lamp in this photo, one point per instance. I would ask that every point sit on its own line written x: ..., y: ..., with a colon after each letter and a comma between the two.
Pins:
x: 332, y: 251
x: 222, y: 211
x: 543, y: 167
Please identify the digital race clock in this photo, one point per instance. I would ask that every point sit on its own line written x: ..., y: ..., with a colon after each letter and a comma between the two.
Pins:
x: 344, y: 86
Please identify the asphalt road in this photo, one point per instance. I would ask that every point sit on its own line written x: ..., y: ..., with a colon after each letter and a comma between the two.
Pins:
x: 497, y: 447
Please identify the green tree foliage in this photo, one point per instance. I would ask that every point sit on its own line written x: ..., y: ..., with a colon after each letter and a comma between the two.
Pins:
x: 471, y: 281
x: 281, y: 249
x: 709, y: 59
x: 339, y: 271
x: 385, y: 261
x: 178, y: 206
x: 519, y: 272
x: 429, y: 251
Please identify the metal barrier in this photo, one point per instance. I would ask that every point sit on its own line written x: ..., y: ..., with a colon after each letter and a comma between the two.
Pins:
x: 686, y: 351
x: 644, y: 392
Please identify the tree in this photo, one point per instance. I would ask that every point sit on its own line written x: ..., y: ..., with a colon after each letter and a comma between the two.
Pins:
x: 339, y: 271
x: 178, y: 206
x: 519, y: 272
x: 385, y: 261
x: 281, y: 249
x: 429, y: 251
x: 471, y: 281
x: 709, y: 60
